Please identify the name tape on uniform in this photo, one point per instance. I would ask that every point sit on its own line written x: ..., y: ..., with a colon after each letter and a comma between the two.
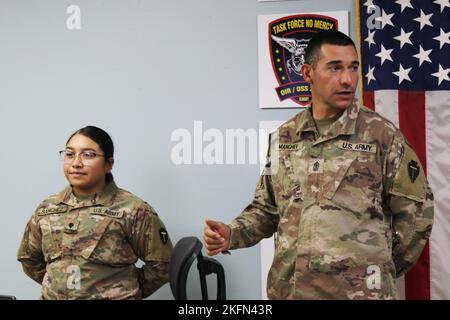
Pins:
x: 288, y: 146
x: 355, y: 146
x: 45, y: 211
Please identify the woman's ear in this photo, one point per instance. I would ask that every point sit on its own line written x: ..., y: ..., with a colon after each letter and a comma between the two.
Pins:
x: 109, y: 164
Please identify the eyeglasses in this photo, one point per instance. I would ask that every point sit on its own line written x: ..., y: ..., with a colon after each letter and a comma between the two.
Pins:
x: 86, y: 156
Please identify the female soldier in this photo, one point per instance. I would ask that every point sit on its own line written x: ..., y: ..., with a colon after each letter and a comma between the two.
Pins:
x: 83, y: 243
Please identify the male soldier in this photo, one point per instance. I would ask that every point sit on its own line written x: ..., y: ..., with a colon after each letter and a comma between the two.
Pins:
x: 349, y: 200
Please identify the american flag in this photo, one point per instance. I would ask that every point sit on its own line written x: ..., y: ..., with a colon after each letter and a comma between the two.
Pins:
x: 405, y: 55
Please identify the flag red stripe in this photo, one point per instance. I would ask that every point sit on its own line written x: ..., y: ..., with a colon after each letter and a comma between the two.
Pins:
x: 369, y: 99
x: 411, y: 114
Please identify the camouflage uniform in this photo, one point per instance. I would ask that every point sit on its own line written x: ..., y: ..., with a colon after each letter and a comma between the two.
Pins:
x: 87, y: 248
x: 352, y: 208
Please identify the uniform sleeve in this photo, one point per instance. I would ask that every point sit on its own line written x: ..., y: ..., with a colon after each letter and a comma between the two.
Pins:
x: 410, y: 200
x: 151, y: 241
x: 30, y: 252
x: 260, y: 218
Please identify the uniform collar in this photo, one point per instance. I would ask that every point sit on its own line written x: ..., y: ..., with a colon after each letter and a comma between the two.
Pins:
x: 99, y: 199
x: 344, y: 125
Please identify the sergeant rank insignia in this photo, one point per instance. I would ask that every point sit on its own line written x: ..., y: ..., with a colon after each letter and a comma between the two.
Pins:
x: 288, y: 39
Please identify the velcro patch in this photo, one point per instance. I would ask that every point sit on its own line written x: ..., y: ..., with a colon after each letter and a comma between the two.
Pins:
x: 106, y: 212
x: 159, y: 246
x: 71, y: 226
x: 315, y: 166
x: 410, y: 179
x: 356, y: 146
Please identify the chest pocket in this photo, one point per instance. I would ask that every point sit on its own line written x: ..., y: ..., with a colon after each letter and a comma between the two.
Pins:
x: 357, y: 185
x: 92, y: 239
x: 292, y: 176
x: 107, y: 242
x: 51, y: 224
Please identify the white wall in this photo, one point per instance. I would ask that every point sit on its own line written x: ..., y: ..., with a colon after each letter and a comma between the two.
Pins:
x: 139, y: 69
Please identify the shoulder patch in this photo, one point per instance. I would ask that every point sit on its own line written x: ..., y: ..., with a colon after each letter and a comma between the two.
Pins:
x: 163, y: 235
x: 413, y: 170
x: 410, y: 179
x: 159, y: 246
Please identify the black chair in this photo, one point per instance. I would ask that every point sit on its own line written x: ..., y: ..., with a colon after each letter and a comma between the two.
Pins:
x: 7, y: 297
x: 184, y: 253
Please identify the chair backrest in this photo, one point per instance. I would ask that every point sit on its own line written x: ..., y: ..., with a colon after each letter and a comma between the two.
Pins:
x: 184, y: 253
x: 7, y: 297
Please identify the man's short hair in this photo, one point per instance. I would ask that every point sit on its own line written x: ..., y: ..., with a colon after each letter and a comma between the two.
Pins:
x: 313, y: 51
